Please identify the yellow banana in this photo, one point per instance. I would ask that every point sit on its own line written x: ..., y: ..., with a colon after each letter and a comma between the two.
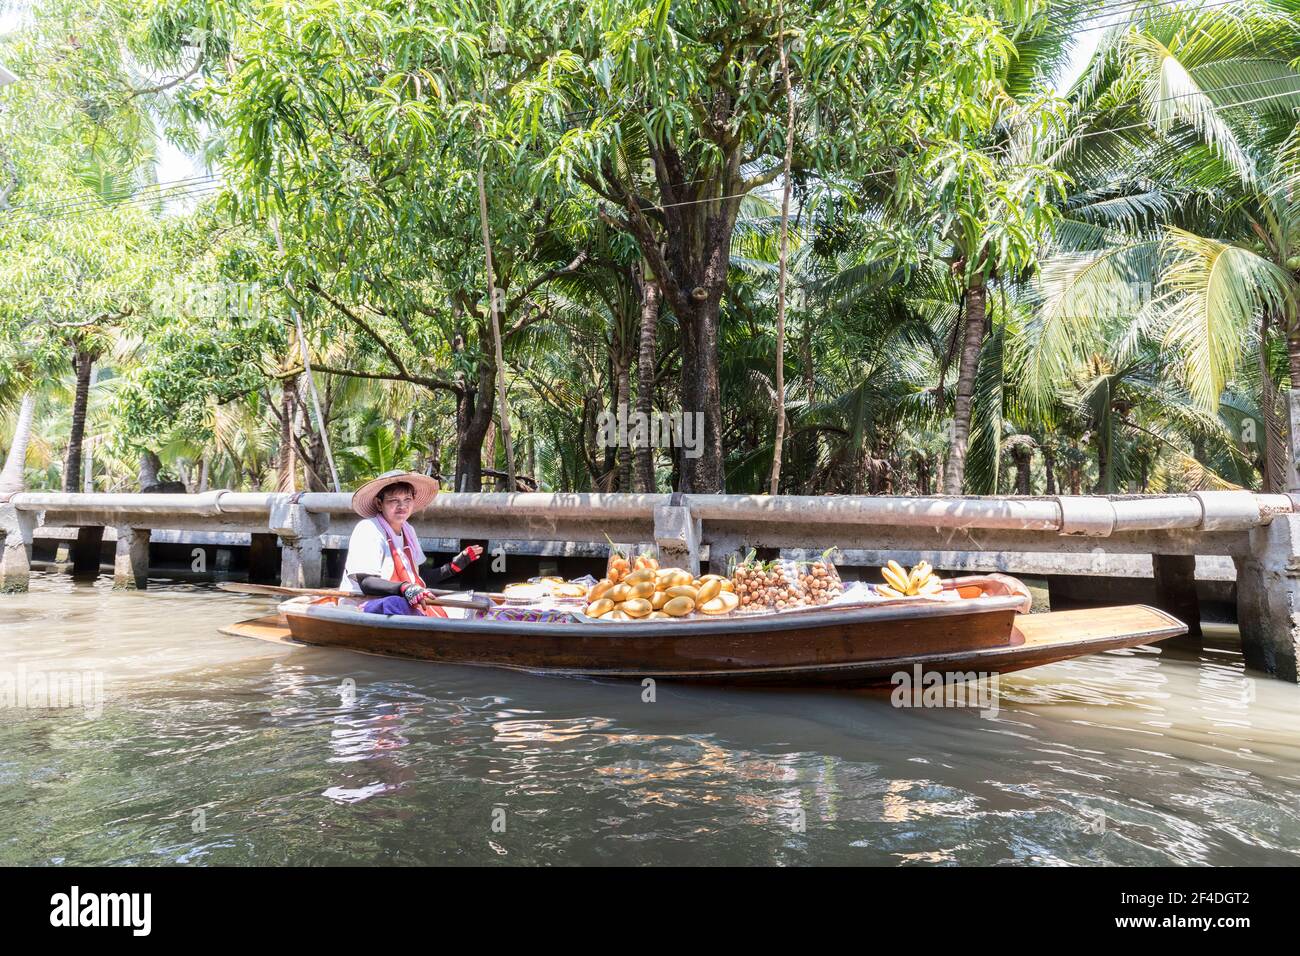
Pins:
x: 900, y: 582
x: 895, y: 576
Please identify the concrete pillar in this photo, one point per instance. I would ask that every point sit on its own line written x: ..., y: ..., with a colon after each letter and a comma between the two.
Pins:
x: 86, y: 552
x: 264, y: 559
x: 1175, y: 579
x: 723, y: 553
x: 300, y: 543
x: 677, y: 533
x: 131, y: 558
x: 1268, y: 598
x: 16, y: 557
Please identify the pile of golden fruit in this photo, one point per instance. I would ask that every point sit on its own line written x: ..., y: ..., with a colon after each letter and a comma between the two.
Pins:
x: 652, y: 594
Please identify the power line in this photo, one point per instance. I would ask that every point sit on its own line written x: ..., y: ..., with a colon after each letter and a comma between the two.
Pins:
x: 75, y: 208
x: 155, y: 193
x: 94, y: 198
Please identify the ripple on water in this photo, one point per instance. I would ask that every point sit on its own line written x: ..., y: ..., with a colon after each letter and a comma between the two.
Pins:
x: 216, y: 750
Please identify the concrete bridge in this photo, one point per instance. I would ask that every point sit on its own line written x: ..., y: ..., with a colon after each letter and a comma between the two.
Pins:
x: 1258, y: 534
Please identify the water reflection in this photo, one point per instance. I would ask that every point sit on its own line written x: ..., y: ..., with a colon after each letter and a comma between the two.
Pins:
x: 1155, y: 755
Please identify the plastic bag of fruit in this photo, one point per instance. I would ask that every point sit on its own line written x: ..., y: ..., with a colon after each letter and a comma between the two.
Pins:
x: 769, y: 585
x: 621, y: 564
x: 820, y: 579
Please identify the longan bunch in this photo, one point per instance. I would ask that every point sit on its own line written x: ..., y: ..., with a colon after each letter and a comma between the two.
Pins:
x: 821, y: 582
x: 768, y: 586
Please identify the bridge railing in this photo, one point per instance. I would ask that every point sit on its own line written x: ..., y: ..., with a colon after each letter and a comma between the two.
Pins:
x: 1259, y: 532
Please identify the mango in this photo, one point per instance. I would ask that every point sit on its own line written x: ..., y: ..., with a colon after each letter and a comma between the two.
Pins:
x: 600, y: 607
x: 636, y: 607
x: 708, y: 591
x: 679, y: 606
x: 724, y: 603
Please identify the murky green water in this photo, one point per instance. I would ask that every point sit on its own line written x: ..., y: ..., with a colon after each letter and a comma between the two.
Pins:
x: 217, y: 750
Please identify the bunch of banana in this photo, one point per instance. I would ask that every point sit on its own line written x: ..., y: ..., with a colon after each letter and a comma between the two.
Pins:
x: 921, y: 580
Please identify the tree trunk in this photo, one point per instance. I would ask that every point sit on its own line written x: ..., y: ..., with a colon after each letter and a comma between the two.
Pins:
x: 701, y: 397
x: 12, y: 477
x: 1049, y: 466
x: 806, y: 446
x: 778, y: 443
x: 1104, y: 486
x: 1023, y: 456
x: 150, y: 465
x: 315, y: 467
x: 493, y: 313
x: 963, y: 400
x: 624, y: 473
x: 316, y: 451
x: 645, y: 370
x: 922, y: 465
x: 1278, y: 442
x: 83, y: 363
x: 474, y: 415
x: 286, y: 463
x: 489, y: 455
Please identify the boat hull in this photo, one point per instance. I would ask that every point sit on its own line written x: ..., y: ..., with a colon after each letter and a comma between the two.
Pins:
x: 848, y: 648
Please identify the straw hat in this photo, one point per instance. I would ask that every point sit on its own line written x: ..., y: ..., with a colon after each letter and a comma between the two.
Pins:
x: 365, y: 500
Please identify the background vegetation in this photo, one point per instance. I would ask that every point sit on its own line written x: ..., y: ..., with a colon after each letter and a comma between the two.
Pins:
x: 993, y: 283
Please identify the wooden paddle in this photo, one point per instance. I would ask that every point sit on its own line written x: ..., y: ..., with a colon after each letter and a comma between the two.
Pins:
x: 478, y: 602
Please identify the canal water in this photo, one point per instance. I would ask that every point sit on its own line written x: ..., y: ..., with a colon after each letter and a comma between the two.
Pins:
x: 185, y: 746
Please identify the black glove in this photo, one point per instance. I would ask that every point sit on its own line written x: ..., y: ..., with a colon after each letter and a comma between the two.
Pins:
x: 466, y: 557
x: 413, y: 592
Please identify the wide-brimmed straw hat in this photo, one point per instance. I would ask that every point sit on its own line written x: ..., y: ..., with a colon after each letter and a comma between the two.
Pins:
x: 365, y: 500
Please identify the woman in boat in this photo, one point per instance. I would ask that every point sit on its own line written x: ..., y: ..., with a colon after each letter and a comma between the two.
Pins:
x: 384, y: 554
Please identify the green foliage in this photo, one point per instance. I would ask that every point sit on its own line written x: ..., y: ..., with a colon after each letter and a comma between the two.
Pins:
x: 1138, y: 237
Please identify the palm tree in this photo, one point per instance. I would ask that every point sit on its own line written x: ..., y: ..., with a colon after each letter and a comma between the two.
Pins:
x: 1185, y: 143
x: 13, y: 477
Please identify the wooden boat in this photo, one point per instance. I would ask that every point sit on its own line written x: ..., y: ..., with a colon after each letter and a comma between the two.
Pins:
x: 986, y: 629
